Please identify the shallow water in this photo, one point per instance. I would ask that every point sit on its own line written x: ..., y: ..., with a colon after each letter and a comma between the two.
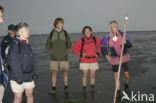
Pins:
x: 142, y: 70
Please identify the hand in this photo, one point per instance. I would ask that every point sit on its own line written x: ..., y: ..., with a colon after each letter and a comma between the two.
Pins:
x: 124, y: 41
x: 35, y: 77
x: 108, y: 57
x: 4, y: 62
x: 96, y: 55
x: 84, y: 55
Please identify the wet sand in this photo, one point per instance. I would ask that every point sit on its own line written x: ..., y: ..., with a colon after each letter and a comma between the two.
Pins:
x: 142, y: 71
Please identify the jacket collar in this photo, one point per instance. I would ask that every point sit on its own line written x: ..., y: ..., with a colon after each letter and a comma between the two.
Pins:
x: 22, y: 40
x: 88, y: 38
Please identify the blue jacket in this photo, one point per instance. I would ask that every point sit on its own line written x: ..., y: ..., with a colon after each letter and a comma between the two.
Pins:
x: 105, y: 49
x: 1, y: 78
x: 22, y: 62
x: 6, y: 41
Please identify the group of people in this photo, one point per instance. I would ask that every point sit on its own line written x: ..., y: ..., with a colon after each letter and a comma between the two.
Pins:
x: 18, y: 57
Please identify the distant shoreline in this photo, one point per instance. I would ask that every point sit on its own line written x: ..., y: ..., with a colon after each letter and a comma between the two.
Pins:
x: 93, y: 32
x: 101, y: 32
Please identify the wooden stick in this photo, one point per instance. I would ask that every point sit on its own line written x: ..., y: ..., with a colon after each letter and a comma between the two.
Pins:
x: 120, y: 62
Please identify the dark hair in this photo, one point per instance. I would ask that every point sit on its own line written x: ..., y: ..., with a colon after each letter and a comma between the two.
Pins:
x: 11, y: 27
x: 1, y: 9
x: 86, y: 27
x: 57, y: 20
x: 113, y: 21
x: 20, y: 25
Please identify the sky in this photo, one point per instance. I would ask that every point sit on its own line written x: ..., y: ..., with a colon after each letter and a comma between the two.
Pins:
x: 40, y: 14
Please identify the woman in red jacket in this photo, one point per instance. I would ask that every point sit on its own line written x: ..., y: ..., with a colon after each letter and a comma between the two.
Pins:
x: 88, y: 48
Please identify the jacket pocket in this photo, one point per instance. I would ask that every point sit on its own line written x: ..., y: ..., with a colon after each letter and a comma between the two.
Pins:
x: 27, y: 64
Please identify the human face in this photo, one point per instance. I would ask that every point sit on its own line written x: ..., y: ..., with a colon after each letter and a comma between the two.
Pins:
x: 1, y: 19
x: 23, y: 33
x: 11, y: 33
x: 59, y: 26
x: 114, y: 28
x: 87, y: 32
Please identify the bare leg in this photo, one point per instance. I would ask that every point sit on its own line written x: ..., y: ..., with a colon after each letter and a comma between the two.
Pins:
x: 84, y: 78
x: 18, y: 97
x: 29, y: 95
x: 1, y: 93
x: 92, y: 77
x: 127, y: 78
x: 54, y: 78
x: 65, y: 78
x: 115, y: 79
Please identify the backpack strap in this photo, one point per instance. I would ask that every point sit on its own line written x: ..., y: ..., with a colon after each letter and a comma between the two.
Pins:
x: 108, y: 47
x: 121, y: 33
x: 66, y: 36
x: 94, y: 39
x: 51, y: 34
x: 19, y: 46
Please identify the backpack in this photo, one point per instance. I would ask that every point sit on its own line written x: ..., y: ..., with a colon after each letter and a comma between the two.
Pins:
x: 65, y: 33
x: 83, y: 42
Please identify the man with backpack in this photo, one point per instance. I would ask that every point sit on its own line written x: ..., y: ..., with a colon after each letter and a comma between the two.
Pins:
x: 88, y: 48
x: 6, y: 41
x: 111, y: 50
x: 57, y: 44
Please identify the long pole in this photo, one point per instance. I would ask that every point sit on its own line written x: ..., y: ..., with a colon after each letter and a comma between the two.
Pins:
x: 120, y: 62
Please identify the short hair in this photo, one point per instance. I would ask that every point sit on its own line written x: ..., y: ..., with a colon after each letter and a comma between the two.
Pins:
x: 57, y: 20
x: 86, y: 27
x: 11, y: 27
x: 20, y: 25
x: 113, y: 21
x: 1, y: 9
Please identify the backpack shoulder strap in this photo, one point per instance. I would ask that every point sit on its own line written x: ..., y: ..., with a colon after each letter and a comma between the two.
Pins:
x: 66, y: 36
x: 51, y: 34
x: 108, y: 47
x: 121, y: 33
x: 94, y: 39
x: 16, y: 41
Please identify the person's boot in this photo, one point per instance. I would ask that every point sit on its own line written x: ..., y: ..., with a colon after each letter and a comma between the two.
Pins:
x: 84, y: 92
x: 127, y: 90
x: 52, y: 90
x: 119, y: 95
x: 93, y: 91
x: 84, y: 88
x: 66, y: 89
x: 92, y: 86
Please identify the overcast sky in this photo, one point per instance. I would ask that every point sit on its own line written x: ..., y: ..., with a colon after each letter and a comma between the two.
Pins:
x: 40, y: 14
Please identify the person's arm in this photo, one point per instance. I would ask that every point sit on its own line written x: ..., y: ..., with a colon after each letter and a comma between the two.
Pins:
x: 14, y: 62
x: 128, y: 43
x: 98, y: 45
x: 76, y: 48
x: 4, y: 45
x: 48, y: 44
x: 104, y: 46
x: 69, y: 42
x: 35, y: 68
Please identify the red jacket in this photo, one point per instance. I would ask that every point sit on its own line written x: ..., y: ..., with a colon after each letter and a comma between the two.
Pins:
x: 90, y: 48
